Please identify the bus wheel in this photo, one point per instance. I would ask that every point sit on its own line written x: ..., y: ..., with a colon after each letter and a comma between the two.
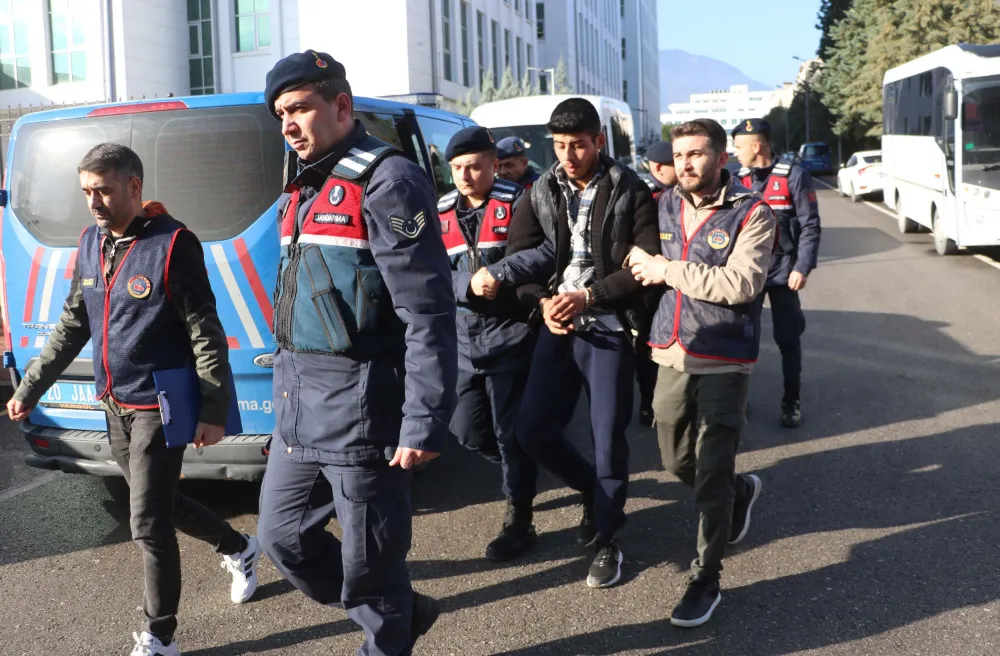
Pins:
x: 906, y: 226
x: 942, y: 244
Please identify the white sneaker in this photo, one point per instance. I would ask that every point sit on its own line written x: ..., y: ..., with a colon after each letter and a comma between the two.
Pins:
x: 243, y: 567
x: 147, y: 644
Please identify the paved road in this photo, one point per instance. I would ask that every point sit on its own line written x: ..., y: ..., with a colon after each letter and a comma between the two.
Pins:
x: 875, y: 533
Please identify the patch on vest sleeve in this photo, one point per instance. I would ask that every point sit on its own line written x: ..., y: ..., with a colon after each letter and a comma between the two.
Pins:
x: 139, y: 287
x: 87, y: 282
x: 666, y: 236
x: 718, y: 239
x: 409, y: 228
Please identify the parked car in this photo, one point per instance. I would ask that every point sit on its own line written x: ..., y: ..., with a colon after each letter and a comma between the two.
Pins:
x: 815, y: 157
x: 861, y: 175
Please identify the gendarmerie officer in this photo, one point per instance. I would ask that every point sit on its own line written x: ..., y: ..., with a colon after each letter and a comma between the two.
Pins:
x: 363, y: 302
x: 495, y: 342
x: 788, y: 189
x: 661, y: 166
x: 514, y: 165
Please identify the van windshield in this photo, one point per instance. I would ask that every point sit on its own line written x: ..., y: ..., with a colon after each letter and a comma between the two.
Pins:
x: 538, y: 141
x: 217, y: 170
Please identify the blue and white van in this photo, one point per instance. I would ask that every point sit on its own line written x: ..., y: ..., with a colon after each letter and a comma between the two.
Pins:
x: 216, y: 162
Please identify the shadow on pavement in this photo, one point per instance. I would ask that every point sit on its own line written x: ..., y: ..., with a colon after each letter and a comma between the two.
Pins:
x: 843, y: 243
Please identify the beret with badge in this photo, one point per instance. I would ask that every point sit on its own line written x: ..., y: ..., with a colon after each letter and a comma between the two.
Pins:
x: 662, y: 152
x: 509, y: 147
x: 752, y: 126
x: 474, y: 139
x: 298, y: 69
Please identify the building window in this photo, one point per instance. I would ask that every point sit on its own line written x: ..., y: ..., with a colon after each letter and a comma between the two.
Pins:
x: 506, y: 49
x: 517, y: 6
x: 465, y: 42
x: 495, y: 35
x: 480, y: 27
x: 540, y: 20
x: 520, y: 59
x: 446, y: 36
x: 623, y: 49
x: 527, y: 9
x: 623, y: 8
x: 625, y: 90
x: 253, y: 25
x: 531, y: 63
x: 15, y: 64
x: 201, y: 61
x: 67, y: 28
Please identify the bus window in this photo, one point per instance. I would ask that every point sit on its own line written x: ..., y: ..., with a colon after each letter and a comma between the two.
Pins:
x: 537, y: 140
x: 621, y: 133
x: 437, y: 133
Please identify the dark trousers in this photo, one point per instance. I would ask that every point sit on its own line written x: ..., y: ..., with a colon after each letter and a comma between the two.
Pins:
x: 156, y: 508
x: 603, y: 365
x: 789, y: 324
x: 698, y: 421
x: 366, y: 573
x: 484, y: 422
x: 645, y: 375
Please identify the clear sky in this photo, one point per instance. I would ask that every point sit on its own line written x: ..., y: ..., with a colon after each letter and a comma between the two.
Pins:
x: 759, y: 38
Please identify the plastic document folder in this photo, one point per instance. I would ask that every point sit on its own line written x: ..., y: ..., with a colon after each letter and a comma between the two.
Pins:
x: 179, y: 395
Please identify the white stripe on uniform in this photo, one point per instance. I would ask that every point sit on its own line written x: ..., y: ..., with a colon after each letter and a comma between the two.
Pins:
x: 492, y: 244
x: 354, y: 166
x: 329, y: 240
x: 219, y: 254
x: 455, y: 250
x: 361, y: 154
x: 50, y: 282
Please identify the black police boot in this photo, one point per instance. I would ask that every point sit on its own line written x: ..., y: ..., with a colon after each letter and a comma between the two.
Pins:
x: 517, y: 535
x: 586, y: 532
x: 791, y: 414
x: 698, y: 603
x: 425, y: 613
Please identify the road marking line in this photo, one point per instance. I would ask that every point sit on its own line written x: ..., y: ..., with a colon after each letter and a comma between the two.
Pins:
x: 988, y: 260
x: 27, y: 487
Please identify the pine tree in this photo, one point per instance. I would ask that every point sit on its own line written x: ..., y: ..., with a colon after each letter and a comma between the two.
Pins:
x: 508, y: 86
x: 561, y: 81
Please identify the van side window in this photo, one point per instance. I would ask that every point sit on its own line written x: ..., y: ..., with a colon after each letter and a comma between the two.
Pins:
x: 437, y: 133
x: 381, y: 126
x: 622, y: 135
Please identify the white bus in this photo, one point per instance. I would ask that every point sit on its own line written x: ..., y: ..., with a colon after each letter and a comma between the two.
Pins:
x: 526, y: 118
x: 941, y: 145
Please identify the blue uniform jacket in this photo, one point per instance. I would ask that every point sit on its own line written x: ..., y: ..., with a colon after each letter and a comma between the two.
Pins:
x: 417, y: 276
x: 802, y: 222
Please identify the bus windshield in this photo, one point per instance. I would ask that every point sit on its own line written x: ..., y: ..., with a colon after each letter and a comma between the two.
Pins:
x: 537, y: 140
x: 981, y: 134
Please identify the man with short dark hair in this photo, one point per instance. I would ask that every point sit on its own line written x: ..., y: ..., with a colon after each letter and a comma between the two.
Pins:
x: 514, y: 165
x: 140, y: 291
x: 365, y: 369
x: 568, y: 243
x: 716, y: 240
x: 495, y: 341
x: 788, y: 189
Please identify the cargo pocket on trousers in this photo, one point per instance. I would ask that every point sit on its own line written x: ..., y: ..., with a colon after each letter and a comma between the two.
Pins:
x: 380, y: 517
x: 369, y: 299
x: 324, y: 298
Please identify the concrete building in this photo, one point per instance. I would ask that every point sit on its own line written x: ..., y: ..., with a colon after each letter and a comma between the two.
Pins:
x: 71, y: 51
x: 641, y: 55
x: 727, y: 107
x: 586, y: 35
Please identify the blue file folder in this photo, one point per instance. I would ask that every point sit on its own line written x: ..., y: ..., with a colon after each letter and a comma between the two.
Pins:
x: 179, y: 396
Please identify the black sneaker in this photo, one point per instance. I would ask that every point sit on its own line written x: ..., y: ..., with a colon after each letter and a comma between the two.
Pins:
x: 741, y: 511
x: 606, y: 568
x: 425, y: 613
x: 791, y: 414
x: 698, y: 603
x: 586, y: 532
x: 646, y: 417
x: 517, y: 535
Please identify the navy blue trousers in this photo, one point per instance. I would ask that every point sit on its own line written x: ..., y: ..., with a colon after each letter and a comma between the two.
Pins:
x: 366, y: 573
x: 603, y: 365
x: 484, y: 422
x: 789, y: 324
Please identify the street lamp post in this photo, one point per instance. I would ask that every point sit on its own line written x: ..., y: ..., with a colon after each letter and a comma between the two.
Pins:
x: 552, y: 77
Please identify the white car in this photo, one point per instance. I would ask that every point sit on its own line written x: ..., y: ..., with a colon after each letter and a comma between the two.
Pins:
x: 861, y: 175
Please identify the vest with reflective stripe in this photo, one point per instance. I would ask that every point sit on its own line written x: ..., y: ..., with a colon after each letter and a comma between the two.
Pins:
x: 135, y: 330
x: 330, y: 297
x: 706, y: 330
x: 779, y: 198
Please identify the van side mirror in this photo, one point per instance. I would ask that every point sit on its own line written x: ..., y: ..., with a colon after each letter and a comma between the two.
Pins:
x: 950, y: 106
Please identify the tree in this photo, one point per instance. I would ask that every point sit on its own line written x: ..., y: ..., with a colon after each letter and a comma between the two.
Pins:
x: 665, y: 130
x: 876, y: 35
x: 561, y: 81
x: 508, y: 86
x: 830, y: 12
x: 486, y: 93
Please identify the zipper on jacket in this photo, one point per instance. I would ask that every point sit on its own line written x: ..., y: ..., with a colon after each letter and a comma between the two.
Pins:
x: 289, y: 289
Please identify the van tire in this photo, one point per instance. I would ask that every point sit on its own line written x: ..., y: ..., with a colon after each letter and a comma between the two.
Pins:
x: 942, y: 244
x: 906, y: 226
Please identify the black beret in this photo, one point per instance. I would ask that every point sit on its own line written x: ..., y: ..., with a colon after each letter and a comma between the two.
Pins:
x: 752, y: 126
x: 300, y: 68
x: 509, y: 147
x: 474, y: 139
x: 662, y: 152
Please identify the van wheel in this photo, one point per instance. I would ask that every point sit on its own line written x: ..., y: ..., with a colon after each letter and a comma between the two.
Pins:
x: 942, y: 244
x: 855, y: 198
x: 906, y: 226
